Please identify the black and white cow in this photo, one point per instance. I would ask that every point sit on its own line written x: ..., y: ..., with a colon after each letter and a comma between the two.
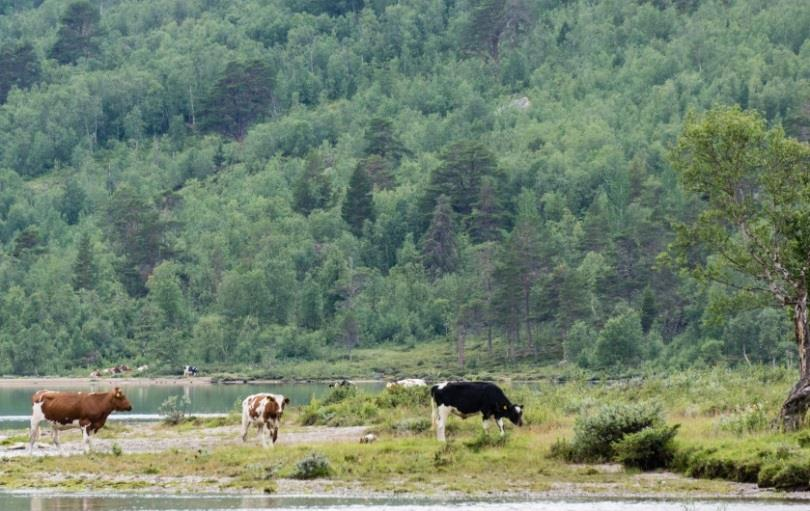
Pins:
x: 466, y: 399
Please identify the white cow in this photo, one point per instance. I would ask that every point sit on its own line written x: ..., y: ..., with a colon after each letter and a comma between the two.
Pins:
x: 407, y: 383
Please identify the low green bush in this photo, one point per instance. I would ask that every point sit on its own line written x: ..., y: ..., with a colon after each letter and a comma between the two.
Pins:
x: 595, y: 435
x: 313, y: 466
x: 708, y: 463
x: 397, y: 396
x: 790, y: 475
x: 339, y: 394
x: 647, y: 449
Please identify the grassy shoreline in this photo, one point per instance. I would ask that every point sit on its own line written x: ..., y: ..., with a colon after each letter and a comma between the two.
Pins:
x: 725, y: 439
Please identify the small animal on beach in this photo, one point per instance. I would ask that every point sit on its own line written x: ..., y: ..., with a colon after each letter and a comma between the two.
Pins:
x: 466, y: 399
x: 87, y: 411
x: 368, y: 438
x: 406, y: 383
x: 190, y: 371
x: 263, y: 410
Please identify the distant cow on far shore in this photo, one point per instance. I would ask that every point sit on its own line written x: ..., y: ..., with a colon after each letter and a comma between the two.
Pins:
x: 406, y: 383
x: 190, y: 371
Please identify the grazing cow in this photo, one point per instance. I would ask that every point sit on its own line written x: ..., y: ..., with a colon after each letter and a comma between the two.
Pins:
x: 265, y: 411
x: 189, y: 371
x: 466, y: 399
x: 141, y: 369
x: 87, y: 411
x: 406, y: 383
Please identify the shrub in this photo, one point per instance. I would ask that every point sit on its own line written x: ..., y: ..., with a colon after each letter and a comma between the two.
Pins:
x: 782, y: 475
x: 312, y: 466
x: 116, y: 450
x: 173, y: 409
x: 647, y: 449
x: 398, y: 396
x: 595, y: 435
x: 340, y: 393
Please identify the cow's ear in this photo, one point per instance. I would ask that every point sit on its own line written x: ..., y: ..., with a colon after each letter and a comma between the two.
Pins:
x: 286, y: 400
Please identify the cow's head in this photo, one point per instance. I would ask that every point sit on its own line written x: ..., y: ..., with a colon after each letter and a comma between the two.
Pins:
x: 515, y: 414
x: 120, y: 402
x: 284, y: 403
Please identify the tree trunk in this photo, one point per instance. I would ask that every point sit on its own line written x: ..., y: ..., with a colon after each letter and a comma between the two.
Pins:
x: 796, y: 405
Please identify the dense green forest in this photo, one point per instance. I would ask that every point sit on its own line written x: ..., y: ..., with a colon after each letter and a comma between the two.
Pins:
x: 240, y: 184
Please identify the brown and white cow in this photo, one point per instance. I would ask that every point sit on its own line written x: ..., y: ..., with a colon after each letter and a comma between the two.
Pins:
x: 265, y: 411
x: 87, y: 411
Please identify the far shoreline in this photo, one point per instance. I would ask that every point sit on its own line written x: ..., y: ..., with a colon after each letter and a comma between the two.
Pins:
x: 69, y: 381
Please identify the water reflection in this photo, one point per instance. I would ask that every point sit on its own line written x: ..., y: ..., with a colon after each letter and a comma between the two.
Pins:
x: 44, y: 502
x: 15, y: 402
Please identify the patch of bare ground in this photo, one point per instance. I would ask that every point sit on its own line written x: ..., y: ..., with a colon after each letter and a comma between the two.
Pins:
x: 154, y: 437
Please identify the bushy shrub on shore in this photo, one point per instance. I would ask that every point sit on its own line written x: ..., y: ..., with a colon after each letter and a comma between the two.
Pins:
x: 647, y: 449
x: 595, y: 435
x: 313, y: 466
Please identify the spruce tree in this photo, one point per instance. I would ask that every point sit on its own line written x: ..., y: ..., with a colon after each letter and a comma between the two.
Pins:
x: 439, y: 250
x: 84, y: 267
x: 19, y: 67
x: 313, y: 189
x: 358, y: 206
x: 488, y: 217
x: 240, y: 97
x: 77, y: 33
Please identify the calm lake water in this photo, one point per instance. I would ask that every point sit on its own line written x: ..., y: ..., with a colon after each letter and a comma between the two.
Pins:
x: 42, y: 502
x: 15, y: 402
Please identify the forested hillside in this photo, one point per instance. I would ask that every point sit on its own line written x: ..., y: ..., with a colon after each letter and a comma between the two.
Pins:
x: 241, y: 184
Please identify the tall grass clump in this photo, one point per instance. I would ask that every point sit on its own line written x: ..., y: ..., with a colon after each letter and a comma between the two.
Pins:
x: 750, y: 419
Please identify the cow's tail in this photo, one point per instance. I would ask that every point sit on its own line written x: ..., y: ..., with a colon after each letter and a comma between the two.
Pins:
x: 434, y: 413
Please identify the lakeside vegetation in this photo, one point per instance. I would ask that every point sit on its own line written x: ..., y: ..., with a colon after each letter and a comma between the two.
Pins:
x: 726, y: 419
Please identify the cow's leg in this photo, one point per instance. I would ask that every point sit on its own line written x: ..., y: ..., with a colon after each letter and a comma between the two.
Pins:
x: 500, y: 425
x: 86, y: 438
x: 263, y: 434
x: 485, y: 423
x: 444, y: 413
x: 37, y: 415
x: 245, y: 425
x: 56, y: 441
x: 275, y: 430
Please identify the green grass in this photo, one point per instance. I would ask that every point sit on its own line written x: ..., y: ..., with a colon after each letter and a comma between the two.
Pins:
x: 408, y: 457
